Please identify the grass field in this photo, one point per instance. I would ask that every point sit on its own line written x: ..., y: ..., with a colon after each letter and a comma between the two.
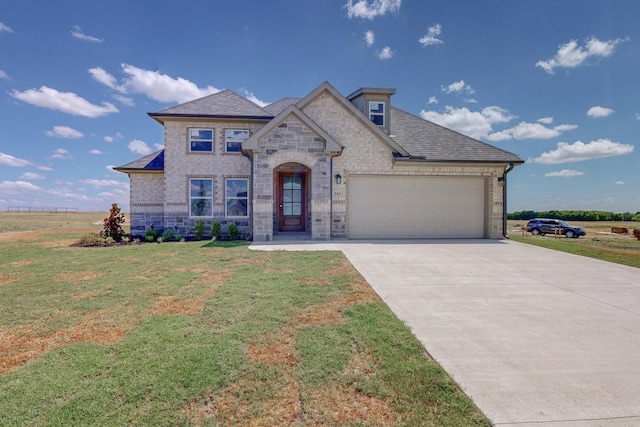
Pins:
x: 201, y: 333
x: 599, y: 242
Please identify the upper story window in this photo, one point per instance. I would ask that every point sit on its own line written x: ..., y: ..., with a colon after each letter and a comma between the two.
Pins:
x: 201, y: 140
x: 376, y: 112
x: 233, y: 139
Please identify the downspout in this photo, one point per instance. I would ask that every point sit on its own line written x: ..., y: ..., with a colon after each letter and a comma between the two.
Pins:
x: 504, y: 199
x: 244, y: 153
x: 331, y: 189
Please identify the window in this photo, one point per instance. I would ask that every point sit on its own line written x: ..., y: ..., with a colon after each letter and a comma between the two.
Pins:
x: 201, y: 197
x: 237, y: 197
x: 376, y: 112
x: 201, y: 140
x: 233, y: 139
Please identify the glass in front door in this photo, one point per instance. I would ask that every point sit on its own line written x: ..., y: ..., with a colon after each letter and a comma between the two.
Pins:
x: 291, y: 201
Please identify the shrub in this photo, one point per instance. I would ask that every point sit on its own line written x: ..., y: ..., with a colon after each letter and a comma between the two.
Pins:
x: 150, y: 235
x: 233, y: 231
x: 112, y: 225
x: 199, y: 233
x: 93, y: 239
x: 216, y: 227
x: 168, y: 235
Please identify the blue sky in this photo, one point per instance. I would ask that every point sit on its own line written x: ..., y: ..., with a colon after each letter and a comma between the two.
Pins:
x: 554, y: 81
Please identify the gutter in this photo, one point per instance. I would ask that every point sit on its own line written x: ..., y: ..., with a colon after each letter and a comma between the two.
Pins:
x: 245, y: 154
x: 504, y: 199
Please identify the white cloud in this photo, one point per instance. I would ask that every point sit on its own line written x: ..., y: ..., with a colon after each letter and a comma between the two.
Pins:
x: 565, y: 173
x: 125, y: 100
x: 385, y: 53
x: 432, y: 100
x: 5, y: 29
x: 3, y: 75
x: 79, y: 34
x: 431, y: 37
x: 96, y: 152
x: 98, y: 183
x: 9, y: 160
x: 104, y: 77
x: 598, y: 111
x: 458, y: 87
x: 17, y: 188
x: 110, y: 138
x: 364, y: 9
x: 545, y: 120
x: 579, y: 151
x: 525, y: 130
x: 67, y: 102
x: 251, y: 97
x: 476, y: 124
x: 152, y: 84
x: 139, y: 147
x: 369, y: 38
x: 570, y: 55
x: 61, y: 153
x: 31, y: 175
x: 618, y: 183
x: 64, y: 132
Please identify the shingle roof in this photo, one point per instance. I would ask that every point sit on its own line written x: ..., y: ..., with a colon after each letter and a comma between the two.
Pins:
x: 226, y: 103
x: 281, y: 105
x: 425, y: 140
x: 150, y: 162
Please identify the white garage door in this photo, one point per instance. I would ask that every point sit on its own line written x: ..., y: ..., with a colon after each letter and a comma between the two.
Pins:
x: 416, y: 207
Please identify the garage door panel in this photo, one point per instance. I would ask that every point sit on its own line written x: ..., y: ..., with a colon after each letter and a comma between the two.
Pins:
x: 416, y: 207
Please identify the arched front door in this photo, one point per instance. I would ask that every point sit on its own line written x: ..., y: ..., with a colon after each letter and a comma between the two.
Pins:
x: 291, y: 201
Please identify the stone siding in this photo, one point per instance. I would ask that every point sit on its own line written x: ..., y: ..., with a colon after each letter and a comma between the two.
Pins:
x: 146, y: 201
x: 181, y: 165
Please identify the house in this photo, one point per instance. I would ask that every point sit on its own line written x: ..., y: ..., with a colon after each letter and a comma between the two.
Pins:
x: 326, y: 165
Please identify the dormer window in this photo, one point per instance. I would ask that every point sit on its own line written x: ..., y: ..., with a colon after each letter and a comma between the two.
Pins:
x: 376, y: 113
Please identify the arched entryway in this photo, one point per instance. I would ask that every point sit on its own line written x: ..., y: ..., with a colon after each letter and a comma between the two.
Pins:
x: 292, y: 191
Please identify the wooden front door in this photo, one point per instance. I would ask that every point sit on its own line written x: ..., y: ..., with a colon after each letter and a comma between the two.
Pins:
x: 291, y: 201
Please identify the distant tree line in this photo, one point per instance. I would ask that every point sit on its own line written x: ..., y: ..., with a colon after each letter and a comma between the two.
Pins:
x: 576, y: 215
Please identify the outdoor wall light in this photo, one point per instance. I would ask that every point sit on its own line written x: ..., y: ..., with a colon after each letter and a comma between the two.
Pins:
x: 338, y: 178
x: 501, y: 181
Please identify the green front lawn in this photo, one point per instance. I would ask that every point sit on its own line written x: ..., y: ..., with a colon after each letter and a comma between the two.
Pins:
x: 202, y: 333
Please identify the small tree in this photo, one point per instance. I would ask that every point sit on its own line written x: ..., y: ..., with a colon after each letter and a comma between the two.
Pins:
x: 112, y: 225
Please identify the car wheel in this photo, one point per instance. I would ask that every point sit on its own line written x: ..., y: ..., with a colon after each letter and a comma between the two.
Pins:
x: 570, y: 234
x: 535, y: 231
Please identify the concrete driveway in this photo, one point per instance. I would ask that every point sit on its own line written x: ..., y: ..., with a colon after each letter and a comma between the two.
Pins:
x: 533, y: 336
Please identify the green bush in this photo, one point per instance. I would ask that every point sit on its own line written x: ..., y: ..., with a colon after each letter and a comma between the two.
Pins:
x: 199, y: 233
x: 216, y: 227
x: 150, y: 235
x: 168, y: 235
x: 233, y: 231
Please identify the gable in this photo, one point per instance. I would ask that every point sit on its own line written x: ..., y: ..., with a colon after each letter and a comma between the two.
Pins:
x: 326, y: 89
x: 252, y: 142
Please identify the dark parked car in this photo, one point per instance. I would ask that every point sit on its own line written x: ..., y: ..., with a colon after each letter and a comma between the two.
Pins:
x: 542, y: 226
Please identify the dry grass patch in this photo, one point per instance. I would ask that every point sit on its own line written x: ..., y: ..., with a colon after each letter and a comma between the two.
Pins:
x: 21, y: 344
x: 5, y: 280
x: 171, y: 304
x: 77, y: 276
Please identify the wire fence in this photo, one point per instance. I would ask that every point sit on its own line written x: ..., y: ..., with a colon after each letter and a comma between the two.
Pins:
x: 40, y: 209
